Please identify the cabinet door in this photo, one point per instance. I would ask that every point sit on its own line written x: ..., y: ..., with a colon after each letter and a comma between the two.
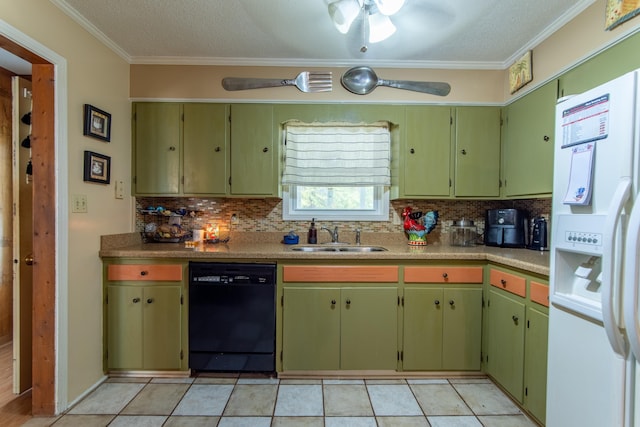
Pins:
x: 536, y: 363
x: 157, y: 148
x: 528, y: 143
x: 369, y: 328
x: 422, y: 329
x: 124, y: 327
x: 462, y: 329
x: 253, y: 157
x: 427, y: 151
x: 613, y: 62
x: 162, y: 327
x: 311, y: 329
x: 205, y: 142
x: 506, y: 342
x: 477, y: 157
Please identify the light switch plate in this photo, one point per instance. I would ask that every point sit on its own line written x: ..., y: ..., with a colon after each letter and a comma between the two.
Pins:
x: 79, y: 203
x: 119, y: 189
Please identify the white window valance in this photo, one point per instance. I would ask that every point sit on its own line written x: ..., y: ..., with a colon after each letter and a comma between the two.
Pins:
x: 337, y: 155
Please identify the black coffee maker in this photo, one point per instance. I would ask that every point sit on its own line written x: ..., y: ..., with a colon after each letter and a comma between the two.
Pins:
x: 538, y: 241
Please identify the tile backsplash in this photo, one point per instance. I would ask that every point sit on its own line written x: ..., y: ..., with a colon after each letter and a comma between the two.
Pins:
x: 265, y: 215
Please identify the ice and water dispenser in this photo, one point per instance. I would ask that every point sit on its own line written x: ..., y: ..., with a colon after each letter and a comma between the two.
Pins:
x: 577, y: 265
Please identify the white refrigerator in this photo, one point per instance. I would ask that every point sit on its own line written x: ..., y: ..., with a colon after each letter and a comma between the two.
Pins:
x: 593, y: 315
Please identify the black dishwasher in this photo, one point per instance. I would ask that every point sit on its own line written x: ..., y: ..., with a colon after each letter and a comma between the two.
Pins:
x: 232, y: 317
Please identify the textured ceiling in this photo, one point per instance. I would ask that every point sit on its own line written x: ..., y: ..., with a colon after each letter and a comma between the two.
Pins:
x: 431, y: 33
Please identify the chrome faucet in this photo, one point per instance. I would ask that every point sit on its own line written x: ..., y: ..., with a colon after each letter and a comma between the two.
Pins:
x: 334, y: 234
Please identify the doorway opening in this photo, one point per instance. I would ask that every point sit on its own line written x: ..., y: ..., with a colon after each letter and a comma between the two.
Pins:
x: 45, y: 358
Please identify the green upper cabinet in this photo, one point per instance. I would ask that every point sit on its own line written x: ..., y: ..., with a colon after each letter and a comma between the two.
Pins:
x: 477, y: 152
x: 206, y: 144
x: 529, y: 126
x: 254, y: 156
x: 609, y: 64
x: 426, y: 152
x: 180, y: 149
x: 157, y: 136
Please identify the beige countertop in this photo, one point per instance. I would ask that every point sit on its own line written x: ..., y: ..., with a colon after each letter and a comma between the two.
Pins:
x: 265, y: 248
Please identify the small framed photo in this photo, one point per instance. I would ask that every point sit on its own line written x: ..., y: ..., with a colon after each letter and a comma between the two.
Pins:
x: 97, y: 167
x: 97, y: 123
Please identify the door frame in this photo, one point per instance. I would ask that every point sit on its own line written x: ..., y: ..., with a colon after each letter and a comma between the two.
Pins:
x: 50, y: 193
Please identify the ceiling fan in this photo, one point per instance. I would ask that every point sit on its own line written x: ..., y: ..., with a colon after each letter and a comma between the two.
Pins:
x: 374, y: 15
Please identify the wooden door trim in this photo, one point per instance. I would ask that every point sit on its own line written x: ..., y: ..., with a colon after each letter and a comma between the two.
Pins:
x: 43, y: 142
x: 44, y: 239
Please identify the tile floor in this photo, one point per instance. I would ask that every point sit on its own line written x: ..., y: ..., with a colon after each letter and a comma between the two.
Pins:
x: 265, y: 402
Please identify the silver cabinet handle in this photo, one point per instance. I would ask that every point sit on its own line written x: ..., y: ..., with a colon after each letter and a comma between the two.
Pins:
x: 136, y: 300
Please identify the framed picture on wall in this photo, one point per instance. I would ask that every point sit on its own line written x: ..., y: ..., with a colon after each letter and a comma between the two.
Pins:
x: 97, y: 123
x: 619, y: 11
x: 520, y: 73
x: 97, y: 167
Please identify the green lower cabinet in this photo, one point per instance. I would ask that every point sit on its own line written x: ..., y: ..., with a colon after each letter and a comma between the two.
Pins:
x: 535, y: 362
x: 144, y: 327
x: 339, y: 328
x: 369, y: 328
x: 442, y: 329
x: 506, y: 330
x: 311, y: 329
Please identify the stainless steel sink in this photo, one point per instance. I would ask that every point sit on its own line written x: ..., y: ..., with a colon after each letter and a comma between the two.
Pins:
x: 338, y: 249
x: 362, y: 249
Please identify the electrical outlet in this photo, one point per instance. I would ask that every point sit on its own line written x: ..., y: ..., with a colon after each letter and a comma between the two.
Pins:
x: 79, y: 203
x: 395, y: 217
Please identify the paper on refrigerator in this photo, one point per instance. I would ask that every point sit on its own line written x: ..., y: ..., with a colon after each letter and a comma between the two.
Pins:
x: 580, y: 175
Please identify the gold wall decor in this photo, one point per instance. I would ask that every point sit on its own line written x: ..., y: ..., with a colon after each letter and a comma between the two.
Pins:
x: 520, y: 73
x: 619, y: 11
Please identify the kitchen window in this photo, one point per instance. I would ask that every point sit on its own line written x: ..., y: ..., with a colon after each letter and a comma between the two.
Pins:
x: 337, y: 172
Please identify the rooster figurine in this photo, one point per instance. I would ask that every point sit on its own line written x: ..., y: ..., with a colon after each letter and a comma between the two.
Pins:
x: 417, y: 227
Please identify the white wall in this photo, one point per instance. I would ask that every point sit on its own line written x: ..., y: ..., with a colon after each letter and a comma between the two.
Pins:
x: 96, y: 76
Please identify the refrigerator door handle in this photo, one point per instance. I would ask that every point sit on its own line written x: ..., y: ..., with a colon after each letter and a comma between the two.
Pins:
x: 611, y: 324
x: 631, y: 320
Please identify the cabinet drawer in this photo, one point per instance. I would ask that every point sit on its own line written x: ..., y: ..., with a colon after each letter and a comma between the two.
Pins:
x: 443, y: 274
x: 539, y: 293
x: 145, y: 272
x: 508, y: 282
x: 332, y: 274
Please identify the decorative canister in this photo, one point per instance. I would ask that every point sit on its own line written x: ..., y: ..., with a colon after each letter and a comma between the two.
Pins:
x: 463, y: 233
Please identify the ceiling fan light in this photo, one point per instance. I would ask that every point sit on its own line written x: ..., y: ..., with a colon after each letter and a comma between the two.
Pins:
x: 343, y: 13
x: 389, y: 7
x: 380, y: 28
